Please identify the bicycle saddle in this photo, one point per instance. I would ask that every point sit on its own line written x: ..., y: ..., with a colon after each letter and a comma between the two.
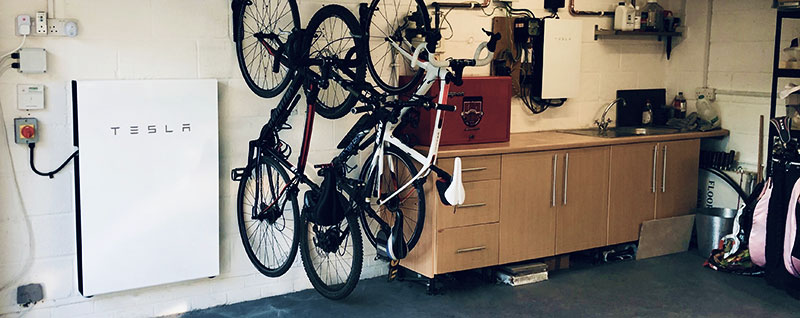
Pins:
x: 455, y: 192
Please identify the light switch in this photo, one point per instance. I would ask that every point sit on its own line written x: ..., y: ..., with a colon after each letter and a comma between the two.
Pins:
x: 30, y: 96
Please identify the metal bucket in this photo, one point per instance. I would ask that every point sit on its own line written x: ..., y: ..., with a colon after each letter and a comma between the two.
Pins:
x: 711, y: 224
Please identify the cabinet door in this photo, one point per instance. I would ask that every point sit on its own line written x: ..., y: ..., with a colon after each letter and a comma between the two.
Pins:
x: 528, y: 203
x: 582, y: 216
x: 678, y: 162
x: 632, y: 190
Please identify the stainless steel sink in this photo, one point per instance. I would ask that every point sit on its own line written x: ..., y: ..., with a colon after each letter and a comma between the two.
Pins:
x: 615, y: 132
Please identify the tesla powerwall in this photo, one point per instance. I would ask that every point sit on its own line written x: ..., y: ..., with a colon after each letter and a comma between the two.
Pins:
x: 146, y: 182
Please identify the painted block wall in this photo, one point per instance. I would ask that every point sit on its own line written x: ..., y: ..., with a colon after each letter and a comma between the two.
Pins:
x: 164, y: 39
x: 741, y: 57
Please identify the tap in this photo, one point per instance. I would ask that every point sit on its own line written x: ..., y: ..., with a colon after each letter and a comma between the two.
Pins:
x: 602, y: 124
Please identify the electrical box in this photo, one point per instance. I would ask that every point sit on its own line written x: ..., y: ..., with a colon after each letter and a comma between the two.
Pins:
x: 32, y: 60
x: 557, y: 64
x: 30, y: 96
x: 26, y: 130
x: 146, y: 183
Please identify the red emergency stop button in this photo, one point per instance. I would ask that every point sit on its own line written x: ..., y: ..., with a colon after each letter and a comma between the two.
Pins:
x: 27, y: 131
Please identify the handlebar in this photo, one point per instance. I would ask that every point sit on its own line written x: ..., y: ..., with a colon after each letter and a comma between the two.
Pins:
x: 490, y: 45
x: 404, y: 104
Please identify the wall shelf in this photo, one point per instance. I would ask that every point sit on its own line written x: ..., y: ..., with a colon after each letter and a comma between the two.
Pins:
x: 598, y: 33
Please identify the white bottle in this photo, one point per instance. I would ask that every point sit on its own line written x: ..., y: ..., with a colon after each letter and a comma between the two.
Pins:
x: 620, y: 16
x: 630, y: 16
x: 637, y: 20
x: 706, y: 112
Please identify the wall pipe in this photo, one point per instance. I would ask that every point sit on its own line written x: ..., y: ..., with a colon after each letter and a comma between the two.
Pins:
x: 470, y: 5
x: 576, y: 13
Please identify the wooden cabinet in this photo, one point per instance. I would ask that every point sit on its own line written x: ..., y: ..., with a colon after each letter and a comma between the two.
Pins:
x: 582, y: 216
x: 649, y: 181
x: 553, y: 203
x: 632, y: 190
x: 528, y: 207
x: 524, y: 204
x: 676, y: 180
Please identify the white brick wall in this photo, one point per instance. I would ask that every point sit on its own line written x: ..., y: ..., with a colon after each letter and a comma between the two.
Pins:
x: 157, y: 39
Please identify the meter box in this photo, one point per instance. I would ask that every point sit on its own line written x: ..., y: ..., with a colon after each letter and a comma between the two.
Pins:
x: 483, y: 113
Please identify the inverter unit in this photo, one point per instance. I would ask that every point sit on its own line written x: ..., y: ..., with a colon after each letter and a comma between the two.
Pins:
x: 557, y: 59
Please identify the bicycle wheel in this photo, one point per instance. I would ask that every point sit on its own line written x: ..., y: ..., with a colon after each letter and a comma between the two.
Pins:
x: 335, y: 33
x: 263, y: 25
x: 332, y: 256
x: 268, y: 232
x: 398, y: 169
x: 387, y: 21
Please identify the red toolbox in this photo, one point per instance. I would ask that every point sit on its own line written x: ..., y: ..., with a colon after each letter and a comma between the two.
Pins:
x: 483, y: 112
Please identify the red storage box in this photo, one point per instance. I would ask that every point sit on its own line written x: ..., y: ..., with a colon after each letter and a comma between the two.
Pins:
x: 483, y: 112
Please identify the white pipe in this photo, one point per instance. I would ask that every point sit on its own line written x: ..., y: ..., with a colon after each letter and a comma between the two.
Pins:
x: 707, y: 53
x: 743, y: 93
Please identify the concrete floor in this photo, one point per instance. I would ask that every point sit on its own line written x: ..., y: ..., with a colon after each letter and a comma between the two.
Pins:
x: 669, y: 286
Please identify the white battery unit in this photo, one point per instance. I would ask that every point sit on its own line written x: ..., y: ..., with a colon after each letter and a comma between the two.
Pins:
x: 146, y: 183
x: 558, y: 63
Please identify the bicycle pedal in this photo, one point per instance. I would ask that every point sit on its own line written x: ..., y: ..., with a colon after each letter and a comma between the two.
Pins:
x: 237, y: 173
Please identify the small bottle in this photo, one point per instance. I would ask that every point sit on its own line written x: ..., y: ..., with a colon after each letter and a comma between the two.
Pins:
x: 637, y: 20
x: 619, y: 16
x: 647, y: 114
x: 630, y: 16
x: 706, y: 112
x: 679, y: 103
x: 655, y: 16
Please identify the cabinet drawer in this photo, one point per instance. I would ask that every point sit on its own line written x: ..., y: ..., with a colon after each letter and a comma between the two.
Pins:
x: 482, y: 206
x: 474, y: 168
x: 466, y: 248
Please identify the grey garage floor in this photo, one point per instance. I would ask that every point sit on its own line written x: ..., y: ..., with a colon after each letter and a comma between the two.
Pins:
x: 669, y: 286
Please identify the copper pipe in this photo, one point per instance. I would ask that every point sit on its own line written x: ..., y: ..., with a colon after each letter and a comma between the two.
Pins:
x: 471, y: 4
x: 576, y: 13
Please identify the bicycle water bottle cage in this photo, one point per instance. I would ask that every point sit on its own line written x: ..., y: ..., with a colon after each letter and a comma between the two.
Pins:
x: 326, y: 206
x: 392, y: 244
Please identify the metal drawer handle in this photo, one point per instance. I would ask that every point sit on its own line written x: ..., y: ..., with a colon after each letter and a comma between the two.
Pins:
x: 664, y: 173
x: 555, y: 165
x: 471, y: 205
x: 473, y: 169
x: 470, y: 249
x: 566, y: 175
x: 655, y: 156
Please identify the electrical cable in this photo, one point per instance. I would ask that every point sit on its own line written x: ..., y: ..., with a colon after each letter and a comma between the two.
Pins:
x: 449, y: 26
x: 14, y: 50
x: 28, y: 262
x: 51, y: 173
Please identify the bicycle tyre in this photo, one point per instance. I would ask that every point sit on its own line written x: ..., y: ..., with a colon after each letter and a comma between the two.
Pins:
x: 328, y: 290
x: 335, y: 101
x: 244, y: 211
x: 246, y: 43
x: 412, y: 233
x: 375, y: 40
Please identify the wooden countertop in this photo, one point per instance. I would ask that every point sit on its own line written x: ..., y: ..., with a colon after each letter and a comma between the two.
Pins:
x: 554, y: 140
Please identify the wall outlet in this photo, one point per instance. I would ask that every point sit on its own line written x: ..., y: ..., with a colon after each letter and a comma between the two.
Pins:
x: 62, y: 27
x: 41, y: 23
x: 709, y: 93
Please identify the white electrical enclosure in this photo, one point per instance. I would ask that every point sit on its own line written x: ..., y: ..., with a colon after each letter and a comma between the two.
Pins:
x: 562, y: 58
x: 146, y: 183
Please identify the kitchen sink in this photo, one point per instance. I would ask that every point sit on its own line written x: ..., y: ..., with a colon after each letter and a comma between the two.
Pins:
x: 623, y: 131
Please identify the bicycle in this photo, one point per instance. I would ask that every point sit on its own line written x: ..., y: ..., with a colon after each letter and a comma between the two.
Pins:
x: 271, y: 49
x: 328, y: 217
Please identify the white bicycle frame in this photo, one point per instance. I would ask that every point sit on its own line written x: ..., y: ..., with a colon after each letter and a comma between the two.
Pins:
x: 433, y: 70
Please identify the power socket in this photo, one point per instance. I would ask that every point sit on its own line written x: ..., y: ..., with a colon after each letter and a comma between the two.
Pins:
x: 62, y: 27
x: 709, y: 93
x: 41, y: 23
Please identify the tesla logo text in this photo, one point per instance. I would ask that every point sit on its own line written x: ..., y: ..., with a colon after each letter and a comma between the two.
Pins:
x: 150, y: 129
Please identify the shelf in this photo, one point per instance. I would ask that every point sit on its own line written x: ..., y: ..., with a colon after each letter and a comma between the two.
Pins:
x: 787, y: 72
x: 789, y: 13
x: 615, y: 33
